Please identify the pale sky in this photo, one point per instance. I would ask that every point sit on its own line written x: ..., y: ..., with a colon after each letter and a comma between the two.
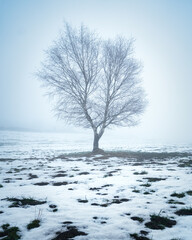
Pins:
x: 163, y: 33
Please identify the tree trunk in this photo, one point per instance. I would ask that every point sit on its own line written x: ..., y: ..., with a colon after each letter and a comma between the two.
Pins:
x: 96, y: 142
x: 97, y: 136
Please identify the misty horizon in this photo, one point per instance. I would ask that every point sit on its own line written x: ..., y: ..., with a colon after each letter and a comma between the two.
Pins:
x: 163, y: 44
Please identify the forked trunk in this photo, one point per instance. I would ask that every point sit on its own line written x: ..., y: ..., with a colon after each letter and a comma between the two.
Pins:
x: 97, y: 136
x: 96, y: 142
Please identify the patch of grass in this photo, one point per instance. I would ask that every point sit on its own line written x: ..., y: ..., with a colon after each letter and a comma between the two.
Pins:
x: 172, y: 201
x: 184, y: 212
x: 108, y: 175
x: 61, y: 171
x: 146, y: 193
x: 118, y: 201
x: 139, y: 219
x: 138, y: 237
x: 103, y: 194
x: 95, y: 188
x: 143, y: 232
x: 178, y: 195
x: 140, y: 173
x: 22, y: 202
x: 16, y: 170
x: 152, y: 191
x: 83, y: 173
x: 1, y: 212
x: 107, y: 185
x: 82, y: 200
x: 5, y: 226
x: 154, y: 179
x: 1, y: 185
x: 53, y: 207
x: 145, y: 185
x: 160, y: 223
x: 186, y: 163
x: 8, y: 180
x: 75, y: 169
x: 176, y: 238
x: 41, y: 184
x: 32, y: 176
x: 59, y: 183
x: 6, y: 159
x: 113, y: 201
x: 67, y: 222
x: 138, y: 156
x: 189, y: 193
x: 34, y: 224
x: 9, y: 233
x: 136, y: 191
x: 18, y: 178
x: 71, y: 232
x: 101, y: 205
x: 59, y: 175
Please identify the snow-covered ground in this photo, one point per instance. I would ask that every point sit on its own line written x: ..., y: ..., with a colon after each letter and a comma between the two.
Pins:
x: 102, y: 197
x: 98, y: 195
x: 20, y: 145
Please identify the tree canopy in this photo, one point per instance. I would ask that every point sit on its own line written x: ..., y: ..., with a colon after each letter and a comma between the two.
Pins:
x: 95, y: 82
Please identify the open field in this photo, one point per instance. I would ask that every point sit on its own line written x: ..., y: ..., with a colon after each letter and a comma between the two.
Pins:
x: 117, y: 195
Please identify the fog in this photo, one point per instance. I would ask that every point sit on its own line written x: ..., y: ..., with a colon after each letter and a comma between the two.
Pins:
x: 163, y: 34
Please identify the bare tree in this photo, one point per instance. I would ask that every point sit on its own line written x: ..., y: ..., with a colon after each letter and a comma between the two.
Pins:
x: 96, y: 83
